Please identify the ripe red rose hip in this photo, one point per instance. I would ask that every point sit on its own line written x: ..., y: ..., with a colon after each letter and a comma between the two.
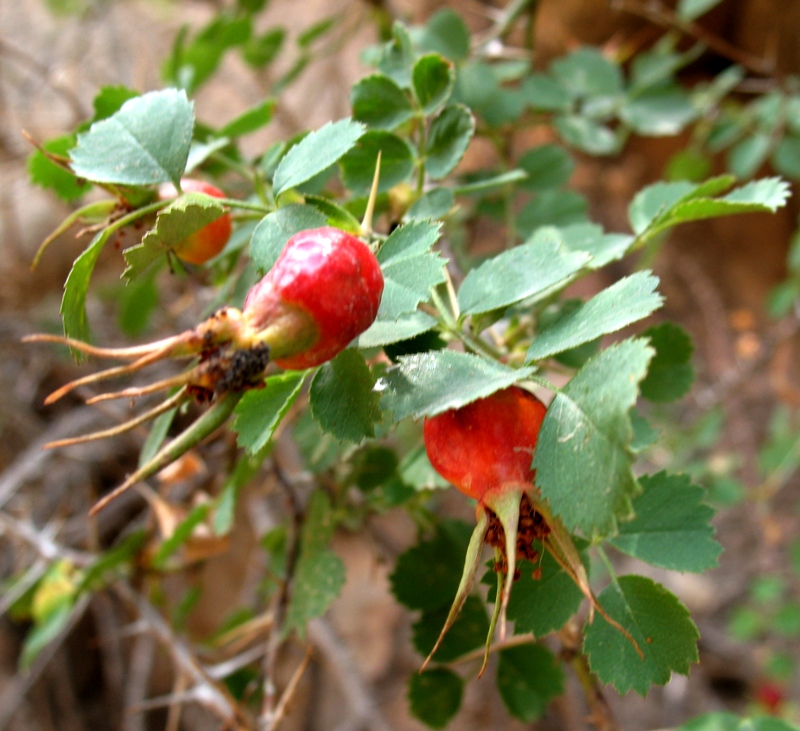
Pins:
x: 324, y: 291
x: 207, y: 242
x: 487, y: 446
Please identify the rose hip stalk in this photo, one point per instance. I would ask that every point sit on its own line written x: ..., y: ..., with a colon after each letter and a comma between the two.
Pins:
x: 485, y: 449
x: 323, y: 291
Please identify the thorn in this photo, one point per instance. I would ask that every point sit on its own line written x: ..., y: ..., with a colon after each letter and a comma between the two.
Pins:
x: 366, y: 224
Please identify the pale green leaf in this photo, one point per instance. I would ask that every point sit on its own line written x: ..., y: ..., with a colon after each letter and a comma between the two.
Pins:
x: 386, y: 332
x: 146, y: 142
x: 626, y: 301
x: 583, y: 458
x: 528, y: 271
x: 427, y: 384
x: 250, y: 120
x: 547, y: 166
x: 587, y: 135
x: 689, y: 10
x: 316, y: 152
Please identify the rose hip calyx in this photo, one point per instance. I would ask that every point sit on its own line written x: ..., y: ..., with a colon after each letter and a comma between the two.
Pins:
x: 485, y: 449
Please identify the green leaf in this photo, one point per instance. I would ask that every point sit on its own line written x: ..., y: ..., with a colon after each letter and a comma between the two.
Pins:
x: 586, y: 72
x: 467, y: 633
x: 109, y: 100
x: 433, y: 79
x: 319, y: 573
x: 528, y: 271
x: 583, y: 457
x: 182, y: 533
x: 659, y: 112
x: 448, y: 139
x: 342, y: 398
x: 658, y: 622
x: 259, y: 411
x: 587, y: 136
x: 358, y: 165
x: 528, y: 678
x: 430, y: 383
x: 146, y: 142
x: 624, y: 302
x: 410, y: 269
x: 260, y: 51
x: 276, y: 228
x: 446, y: 33
x: 655, y: 207
x: 250, y: 120
x: 179, y: 220
x: 747, y: 156
x: 725, y: 721
x: 671, y: 528
x: 689, y: 10
x: 426, y: 576
x: 545, y: 604
x: 316, y: 30
x: 397, y: 57
x: 386, y: 332
x: 435, y: 696
x: 544, y: 93
x: 335, y: 215
x: 434, y: 204
x: 73, y: 303
x: 136, y: 303
x: 43, y: 634
x: 559, y: 208
x: 786, y: 157
x: 603, y: 248
x: 494, y: 182
x: 547, y: 166
x: 316, y: 152
x: 50, y: 176
x: 671, y: 374
x: 380, y: 103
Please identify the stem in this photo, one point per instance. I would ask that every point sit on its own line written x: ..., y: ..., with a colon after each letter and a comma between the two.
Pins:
x: 196, y: 433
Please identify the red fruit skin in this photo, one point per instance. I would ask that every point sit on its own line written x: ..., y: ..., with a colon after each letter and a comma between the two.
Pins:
x: 487, y: 446
x: 327, y: 286
x: 206, y: 243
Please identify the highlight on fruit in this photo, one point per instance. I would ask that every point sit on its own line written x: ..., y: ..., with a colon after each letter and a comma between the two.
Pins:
x: 323, y: 291
x: 485, y: 449
x: 204, y: 244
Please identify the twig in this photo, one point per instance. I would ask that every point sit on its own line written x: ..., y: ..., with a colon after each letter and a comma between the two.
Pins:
x: 141, y: 665
x: 205, y: 691
x: 662, y: 16
x: 18, y: 687
x: 358, y: 696
x: 288, y: 694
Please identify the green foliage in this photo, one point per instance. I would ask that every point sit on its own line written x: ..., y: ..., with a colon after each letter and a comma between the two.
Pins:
x: 146, y: 142
x: 659, y: 624
x: 583, y: 458
x: 460, y: 318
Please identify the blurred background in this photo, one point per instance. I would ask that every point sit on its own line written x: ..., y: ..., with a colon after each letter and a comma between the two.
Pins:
x: 738, y: 430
